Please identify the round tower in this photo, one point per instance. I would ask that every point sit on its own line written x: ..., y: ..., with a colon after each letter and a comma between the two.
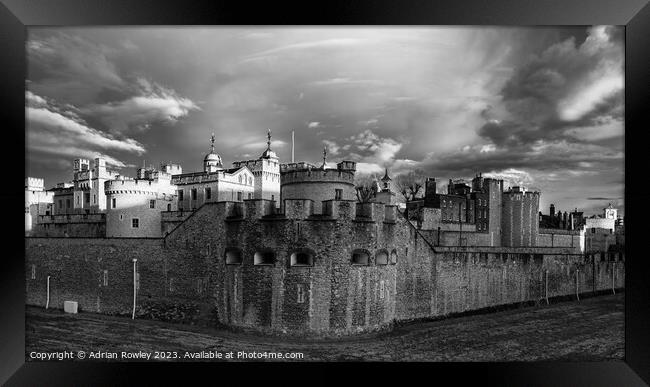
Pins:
x: 305, y: 181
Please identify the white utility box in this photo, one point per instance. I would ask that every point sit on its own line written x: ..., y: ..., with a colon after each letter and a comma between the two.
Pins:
x: 70, y: 306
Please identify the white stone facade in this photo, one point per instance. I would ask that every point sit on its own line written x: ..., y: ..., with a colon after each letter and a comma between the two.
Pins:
x: 135, y: 206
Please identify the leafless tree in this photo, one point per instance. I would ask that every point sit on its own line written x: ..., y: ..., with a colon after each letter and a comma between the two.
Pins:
x: 366, y: 188
x: 411, y: 185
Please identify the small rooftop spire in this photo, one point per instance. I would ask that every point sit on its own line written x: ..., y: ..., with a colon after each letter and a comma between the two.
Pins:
x: 268, y: 142
x: 386, y: 178
x: 324, y: 156
x: 212, y: 143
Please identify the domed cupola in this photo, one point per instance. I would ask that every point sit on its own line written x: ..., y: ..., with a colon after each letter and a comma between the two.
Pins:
x: 212, y: 161
x: 268, y: 153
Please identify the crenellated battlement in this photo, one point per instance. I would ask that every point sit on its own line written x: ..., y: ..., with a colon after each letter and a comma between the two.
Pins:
x: 34, y: 184
x: 138, y: 186
x: 318, y: 175
x: 253, y: 165
x: 303, y: 209
x: 72, y: 218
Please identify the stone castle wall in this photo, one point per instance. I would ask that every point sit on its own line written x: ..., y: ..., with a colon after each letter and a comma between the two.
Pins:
x: 70, y: 225
x: 574, y: 239
x: 333, y: 296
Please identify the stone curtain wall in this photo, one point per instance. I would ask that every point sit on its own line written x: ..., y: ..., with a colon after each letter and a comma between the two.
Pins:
x: 460, y: 281
x: 89, y: 230
x: 76, y: 268
x: 451, y: 238
x: 188, y: 271
x: 558, y: 238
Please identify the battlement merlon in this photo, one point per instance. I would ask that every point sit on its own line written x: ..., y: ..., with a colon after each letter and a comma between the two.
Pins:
x: 372, y: 212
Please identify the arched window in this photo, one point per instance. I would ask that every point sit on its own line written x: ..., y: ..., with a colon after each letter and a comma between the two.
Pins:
x: 393, y: 257
x: 233, y: 256
x: 264, y: 257
x: 302, y: 257
x: 381, y: 258
x: 360, y: 257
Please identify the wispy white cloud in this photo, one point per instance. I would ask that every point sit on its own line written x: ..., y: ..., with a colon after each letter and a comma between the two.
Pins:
x: 154, y: 104
x: 52, y: 130
x: 512, y: 177
x: 332, y: 147
x: 325, y: 43
x: 260, y: 145
x: 348, y: 81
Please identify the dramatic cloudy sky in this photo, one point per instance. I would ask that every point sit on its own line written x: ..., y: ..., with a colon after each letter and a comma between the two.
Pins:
x: 539, y: 107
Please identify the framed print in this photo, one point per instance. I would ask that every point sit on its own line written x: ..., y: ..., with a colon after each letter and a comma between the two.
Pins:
x: 435, y: 185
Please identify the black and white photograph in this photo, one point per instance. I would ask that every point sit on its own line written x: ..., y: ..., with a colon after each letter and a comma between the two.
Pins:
x: 325, y: 193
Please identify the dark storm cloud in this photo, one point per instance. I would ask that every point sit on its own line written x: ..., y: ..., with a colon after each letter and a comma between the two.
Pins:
x: 567, y: 86
x: 70, y: 67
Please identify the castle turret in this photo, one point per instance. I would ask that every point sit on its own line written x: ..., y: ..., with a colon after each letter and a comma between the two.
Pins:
x: 266, y: 173
x: 305, y: 181
x: 520, y: 218
x: 212, y: 161
x: 385, y: 195
x: 430, y: 187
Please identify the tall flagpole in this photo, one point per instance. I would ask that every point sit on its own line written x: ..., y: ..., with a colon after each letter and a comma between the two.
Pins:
x: 292, y: 146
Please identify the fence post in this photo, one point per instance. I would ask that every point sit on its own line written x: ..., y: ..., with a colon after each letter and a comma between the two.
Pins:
x: 134, y: 287
x: 546, y: 285
x: 577, y: 295
x: 47, y: 302
x: 593, y: 274
x: 613, y: 282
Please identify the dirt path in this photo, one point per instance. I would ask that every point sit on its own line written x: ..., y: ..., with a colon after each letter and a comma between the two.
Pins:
x: 592, y: 329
